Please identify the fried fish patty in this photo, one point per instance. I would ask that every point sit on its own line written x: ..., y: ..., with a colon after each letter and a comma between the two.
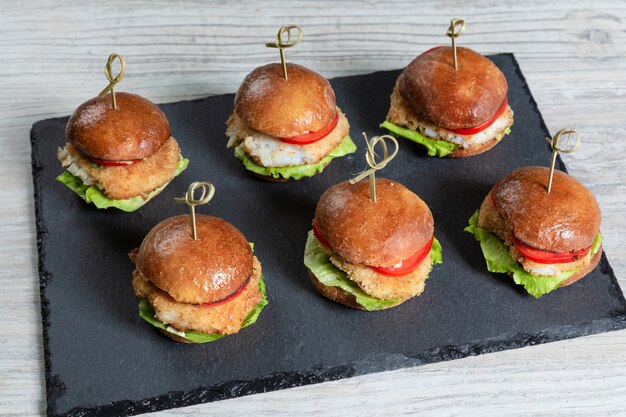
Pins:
x: 268, y: 151
x: 489, y: 218
x: 220, y: 319
x: 383, y: 286
x: 401, y: 114
x: 124, y: 182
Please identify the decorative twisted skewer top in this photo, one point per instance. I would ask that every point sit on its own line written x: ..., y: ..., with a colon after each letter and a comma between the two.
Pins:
x: 208, y: 190
x: 453, y: 33
x: 370, y: 158
x: 566, y: 147
x: 108, y: 72
x: 282, y: 43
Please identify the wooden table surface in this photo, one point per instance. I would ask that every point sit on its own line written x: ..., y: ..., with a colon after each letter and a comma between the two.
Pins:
x: 572, y: 54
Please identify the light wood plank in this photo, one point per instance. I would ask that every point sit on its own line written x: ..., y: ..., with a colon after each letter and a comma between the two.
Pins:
x: 572, y: 54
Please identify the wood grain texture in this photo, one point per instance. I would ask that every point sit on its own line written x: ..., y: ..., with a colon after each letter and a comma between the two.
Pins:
x: 572, y: 53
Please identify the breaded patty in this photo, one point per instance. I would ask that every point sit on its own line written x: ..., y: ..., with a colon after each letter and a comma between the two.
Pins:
x: 401, y: 114
x: 123, y: 182
x: 489, y: 218
x: 383, y: 286
x: 267, y: 151
x: 220, y: 319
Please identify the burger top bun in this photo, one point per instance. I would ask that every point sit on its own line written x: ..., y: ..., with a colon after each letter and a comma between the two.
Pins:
x: 205, y: 270
x: 376, y: 234
x: 453, y: 99
x: 135, y: 130
x: 268, y: 103
x: 566, y: 219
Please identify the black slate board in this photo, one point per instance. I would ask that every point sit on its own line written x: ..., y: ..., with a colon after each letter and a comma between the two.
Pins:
x: 102, y: 359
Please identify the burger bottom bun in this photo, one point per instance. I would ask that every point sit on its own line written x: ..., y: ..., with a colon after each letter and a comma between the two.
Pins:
x: 583, y: 272
x: 175, y: 337
x: 473, y: 150
x: 339, y: 295
x: 269, y: 178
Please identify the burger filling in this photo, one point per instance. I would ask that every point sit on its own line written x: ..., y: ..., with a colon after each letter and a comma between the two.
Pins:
x: 440, y: 141
x: 126, y: 187
x: 539, y: 278
x: 270, y: 156
x: 202, y: 322
x: 270, y: 152
x: 382, y: 286
x: 371, y: 289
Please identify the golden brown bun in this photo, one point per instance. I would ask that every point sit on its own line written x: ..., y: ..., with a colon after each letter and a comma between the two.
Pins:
x: 339, y: 295
x: 134, y: 131
x: 195, y: 271
x: 567, y: 219
x: 453, y: 99
x: 473, y: 150
x: 583, y: 272
x: 376, y: 234
x: 268, y: 103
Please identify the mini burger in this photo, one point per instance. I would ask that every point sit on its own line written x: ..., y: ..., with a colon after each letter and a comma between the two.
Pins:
x: 542, y: 240
x: 287, y: 129
x: 119, y: 157
x: 367, y: 255
x: 455, y: 113
x: 197, y: 291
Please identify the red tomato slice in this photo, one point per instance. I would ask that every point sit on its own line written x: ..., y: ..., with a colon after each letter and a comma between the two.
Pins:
x: 229, y: 298
x: 318, y: 235
x: 115, y: 163
x: 546, y: 257
x: 480, y: 128
x: 408, y: 265
x: 312, y: 137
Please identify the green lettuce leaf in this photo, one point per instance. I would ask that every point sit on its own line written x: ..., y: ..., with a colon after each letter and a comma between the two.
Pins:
x: 147, y: 313
x: 299, y: 171
x: 500, y: 260
x: 92, y: 194
x: 434, y: 147
x: 597, y: 242
x: 317, y: 259
x: 436, y: 255
x: 500, y: 135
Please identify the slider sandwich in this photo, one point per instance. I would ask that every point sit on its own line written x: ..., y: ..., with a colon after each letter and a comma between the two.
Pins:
x: 285, y: 129
x: 197, y: 291
x: 543, y: 240
x: 371, y: 255
x: 451, y: 112
x: 119, y: 157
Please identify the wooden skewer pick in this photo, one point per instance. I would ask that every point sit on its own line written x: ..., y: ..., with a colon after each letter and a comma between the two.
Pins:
x: 108, y: 72
x: 453, y: 34
x: 208, y: 190
x: 566, y: 148
x: 281, y: 43
x: 370, y: 156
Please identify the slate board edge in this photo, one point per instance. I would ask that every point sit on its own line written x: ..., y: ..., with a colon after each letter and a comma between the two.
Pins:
x: 277, y: 381
x: 51, y: 380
